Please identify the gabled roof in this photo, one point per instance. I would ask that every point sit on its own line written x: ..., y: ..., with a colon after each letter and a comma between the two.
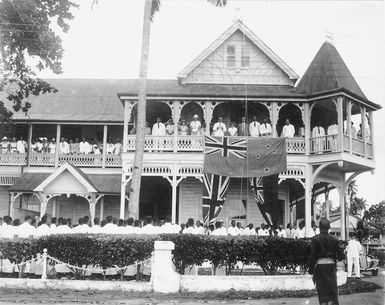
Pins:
x: 77, y: 173
x: 327, y: 72
x: 238, y: 25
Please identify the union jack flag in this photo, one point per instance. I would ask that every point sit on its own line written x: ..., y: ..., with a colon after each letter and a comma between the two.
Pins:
x: 215, y: 188
x: 256, y: 186
x: 226, y: 146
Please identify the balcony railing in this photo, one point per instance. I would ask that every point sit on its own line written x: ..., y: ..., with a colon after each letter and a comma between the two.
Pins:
x: 13, y: 159
x: 81, y: 160
x: 196, y: 144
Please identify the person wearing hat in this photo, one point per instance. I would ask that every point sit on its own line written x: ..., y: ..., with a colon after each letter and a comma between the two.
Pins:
x: 4, y: 145
x: 195, y: 125
x: 183, y: 128
x: 45, y: 144
x: 219, y: 128
x: 52, y: 146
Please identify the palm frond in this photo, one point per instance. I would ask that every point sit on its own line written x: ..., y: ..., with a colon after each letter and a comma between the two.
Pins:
x: 155, y: 6
x: 220, y: 3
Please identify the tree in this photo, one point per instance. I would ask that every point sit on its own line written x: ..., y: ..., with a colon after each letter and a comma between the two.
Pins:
x: 375, y: 215
x: 150, y: 8
x: 27, y: 44
x: 357, y: 206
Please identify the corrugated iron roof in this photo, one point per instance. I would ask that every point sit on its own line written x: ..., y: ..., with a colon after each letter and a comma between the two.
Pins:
x: 326, y: 72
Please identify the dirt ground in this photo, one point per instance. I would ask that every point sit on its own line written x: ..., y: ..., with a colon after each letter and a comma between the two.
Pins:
x: 28, y: 296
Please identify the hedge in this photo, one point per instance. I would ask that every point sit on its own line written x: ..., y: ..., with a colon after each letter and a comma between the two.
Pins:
x: 270, y: 253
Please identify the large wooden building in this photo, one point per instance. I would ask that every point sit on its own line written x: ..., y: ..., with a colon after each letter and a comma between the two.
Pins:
x: 236, y: 76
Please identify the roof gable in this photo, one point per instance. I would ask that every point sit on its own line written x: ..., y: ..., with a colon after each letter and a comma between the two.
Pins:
x: 326, y: 72
x: 73, y: 176
x: 264, y: 63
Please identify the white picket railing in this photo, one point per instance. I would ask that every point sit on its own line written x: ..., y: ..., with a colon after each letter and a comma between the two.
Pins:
x: 13, y: 159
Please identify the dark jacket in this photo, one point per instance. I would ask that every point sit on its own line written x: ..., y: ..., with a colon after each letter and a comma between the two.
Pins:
x: 324, y: 245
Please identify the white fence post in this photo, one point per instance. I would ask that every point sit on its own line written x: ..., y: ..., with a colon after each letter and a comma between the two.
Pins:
x: 44, y: 273
x: 164, y: 278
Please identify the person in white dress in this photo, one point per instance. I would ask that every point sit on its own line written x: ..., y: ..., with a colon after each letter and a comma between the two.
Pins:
x: 43, y: 229
x: 84, y: 147
x: 240, y: 229
x: 254, y: 128
x: 159, y: 131
x: 249, y: 230
x: 353, y: 131
x: 318, y: 133
x: 63, y: 228
x: 291, y: 231
x: 219, y: 229
x: 265, y: 128
x: 288, y: 130
x: 21, y: 146
x: 233, y: 230
x: 52, y: 146
x: 4, y: 145
x: 109, y: 227
x: 332, y: 132
x: 168, y: 227
x: 190, y: 228
x: 263, y: 231
x: 219, y: 128
x: 13, y: 146
x: 195, y: 126
x: 353, y: 251
x: 300, y: 232
x: 149, y: 228
x: 232, y: 131
x: 26, y: 229
x: 118, y: 147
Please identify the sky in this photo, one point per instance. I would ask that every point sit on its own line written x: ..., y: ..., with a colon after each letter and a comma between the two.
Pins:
x: 105, y: 42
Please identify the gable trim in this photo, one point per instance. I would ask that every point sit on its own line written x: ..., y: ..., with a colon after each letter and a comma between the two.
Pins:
x: 67, y: 166
x: 238, y: 25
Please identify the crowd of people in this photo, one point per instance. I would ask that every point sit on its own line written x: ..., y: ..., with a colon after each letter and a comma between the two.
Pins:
x: 31, y: 227
x: 65, y: 146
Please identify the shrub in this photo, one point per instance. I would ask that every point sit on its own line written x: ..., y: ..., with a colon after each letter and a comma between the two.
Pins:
x: 109, y: 251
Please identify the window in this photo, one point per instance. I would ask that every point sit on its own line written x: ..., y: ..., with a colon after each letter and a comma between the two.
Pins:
x: 230, y: 59
x: 245, y: 56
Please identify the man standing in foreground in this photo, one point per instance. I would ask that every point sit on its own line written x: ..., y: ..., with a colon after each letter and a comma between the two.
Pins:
x: 324, y: 252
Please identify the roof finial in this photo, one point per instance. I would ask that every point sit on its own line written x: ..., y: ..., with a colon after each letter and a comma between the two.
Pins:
x: 329, y: 36
x: 237, y: 15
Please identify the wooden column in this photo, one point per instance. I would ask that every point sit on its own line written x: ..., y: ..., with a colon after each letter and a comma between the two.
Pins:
x: 125, y: 126
x: 363, y: 130
x: 58, y: 131
x: 176, y: 118
x: 340, y: 114
x: 92, y: 205
x: 307, y: 128
x: 349, y: 124
x: 308, y: 196
x: 54, y: 207
x: 101, y: 212
x: 327, y: 205
x: 123, y: 196
x: 342, y: 208
x: 30, y: 130
x: 105, y: 131
x: 371, y: 132
x: 274, y: 118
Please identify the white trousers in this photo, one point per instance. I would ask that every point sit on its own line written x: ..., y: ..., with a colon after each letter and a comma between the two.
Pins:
x: 353, y: 260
